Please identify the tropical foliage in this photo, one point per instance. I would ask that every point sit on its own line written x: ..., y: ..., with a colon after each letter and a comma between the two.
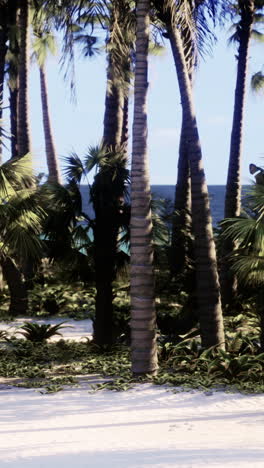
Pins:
x: 144, y: 271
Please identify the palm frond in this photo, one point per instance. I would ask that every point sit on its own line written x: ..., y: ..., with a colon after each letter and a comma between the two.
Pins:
x: 257, y: 82
x: 74, y: 168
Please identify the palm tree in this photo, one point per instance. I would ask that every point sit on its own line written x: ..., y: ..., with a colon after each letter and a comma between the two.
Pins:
x: 143, y: 315
x: 23, y: 127
x: 207, y: 283
x: 116, y: 18
x: 20, y: 227
x: 247, y: 232
x: 3, y: 50
x: 246, y: 10
x: 12, y: 59
x: 44, y: 42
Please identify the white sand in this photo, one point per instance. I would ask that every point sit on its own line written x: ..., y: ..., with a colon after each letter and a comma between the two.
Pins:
x: 148, y: 426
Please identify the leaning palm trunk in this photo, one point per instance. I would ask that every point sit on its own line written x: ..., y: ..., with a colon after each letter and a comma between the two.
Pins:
x: 181, y: 224
x: 143, y: 316
x: 207, y: 284
x: 23, y: 132
x: 233, y: 185
x: 52, y: 160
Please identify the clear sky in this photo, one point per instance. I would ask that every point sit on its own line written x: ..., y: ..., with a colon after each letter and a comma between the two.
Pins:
x: 77, y: 126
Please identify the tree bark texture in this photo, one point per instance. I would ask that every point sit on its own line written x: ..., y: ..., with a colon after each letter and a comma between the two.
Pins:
x: 207, y: 283
x: 233, y: 185
x: 113, y: 117
x: 52, y: 159
x: 181, y: 225
x: 3, y: 49
x: 13, y: 100
x: 143, y: 315
x: 23, y: 129
x: 17, y: 288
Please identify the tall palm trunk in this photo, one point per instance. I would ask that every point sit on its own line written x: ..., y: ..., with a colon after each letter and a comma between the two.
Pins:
x: 13, y: 99
x: 125, y: 125
x: 23, y: 132
x: 3, y: 49
x: 207, y: 284
x: 13, y: 74
x: 181, y: 224
x: 106, y: 226
x: 113, y: 118
x: 52, y: 160
x: 143, y: 315
x: 233, y: 185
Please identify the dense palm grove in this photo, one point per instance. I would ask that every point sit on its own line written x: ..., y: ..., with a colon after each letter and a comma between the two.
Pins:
x: 154, y: 278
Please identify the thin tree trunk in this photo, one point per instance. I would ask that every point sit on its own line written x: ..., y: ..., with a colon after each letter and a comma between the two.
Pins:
x: 23, y: 132
x: 3, y: 49
x: 233, y: 185
x: 13, y: 98
x: 13, y: 19
x: 113, y: 117
x: 143, y: 314
x: 52, y: 160
x: 125, y: 125
x: 207, y: 284
x: 181, y: 224
x: 17, y: 288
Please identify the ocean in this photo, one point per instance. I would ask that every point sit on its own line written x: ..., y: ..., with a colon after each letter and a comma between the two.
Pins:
x: 216, y: 192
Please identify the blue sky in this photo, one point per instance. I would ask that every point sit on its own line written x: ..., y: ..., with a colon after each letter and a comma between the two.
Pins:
x: 77, y: 126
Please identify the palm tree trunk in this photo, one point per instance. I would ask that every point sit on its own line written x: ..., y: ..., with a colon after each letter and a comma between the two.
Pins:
x: 106, y: 227
x: 52, y: 160
x: 207, y: 284
x: 233, y: 185
x: 143, y: 314
x: 13, y: 99
x: 13, y: 19
x: 125, y: 125
x: 113, y: 117
x: 3, y: 49
x: 181, y: 224
x: 105, y: 245
x: 17, y: 288
x: 23, y: 132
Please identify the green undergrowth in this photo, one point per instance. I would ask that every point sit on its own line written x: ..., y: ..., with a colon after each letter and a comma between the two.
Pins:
x: 51, y: 366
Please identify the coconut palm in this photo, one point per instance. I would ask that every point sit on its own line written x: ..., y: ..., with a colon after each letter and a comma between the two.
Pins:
x: 20, y: 226
x: 43, y: 44
x: 3, y: 50
x: 247, y: 232
x: 12, y: 59
x: 248, y: 11
x: 143, y: 315
x: 207, y: 283
x: 117, y: 19
x: 23, y: 127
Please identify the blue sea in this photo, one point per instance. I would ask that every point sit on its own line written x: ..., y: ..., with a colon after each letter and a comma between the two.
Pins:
x: 216, y: 192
